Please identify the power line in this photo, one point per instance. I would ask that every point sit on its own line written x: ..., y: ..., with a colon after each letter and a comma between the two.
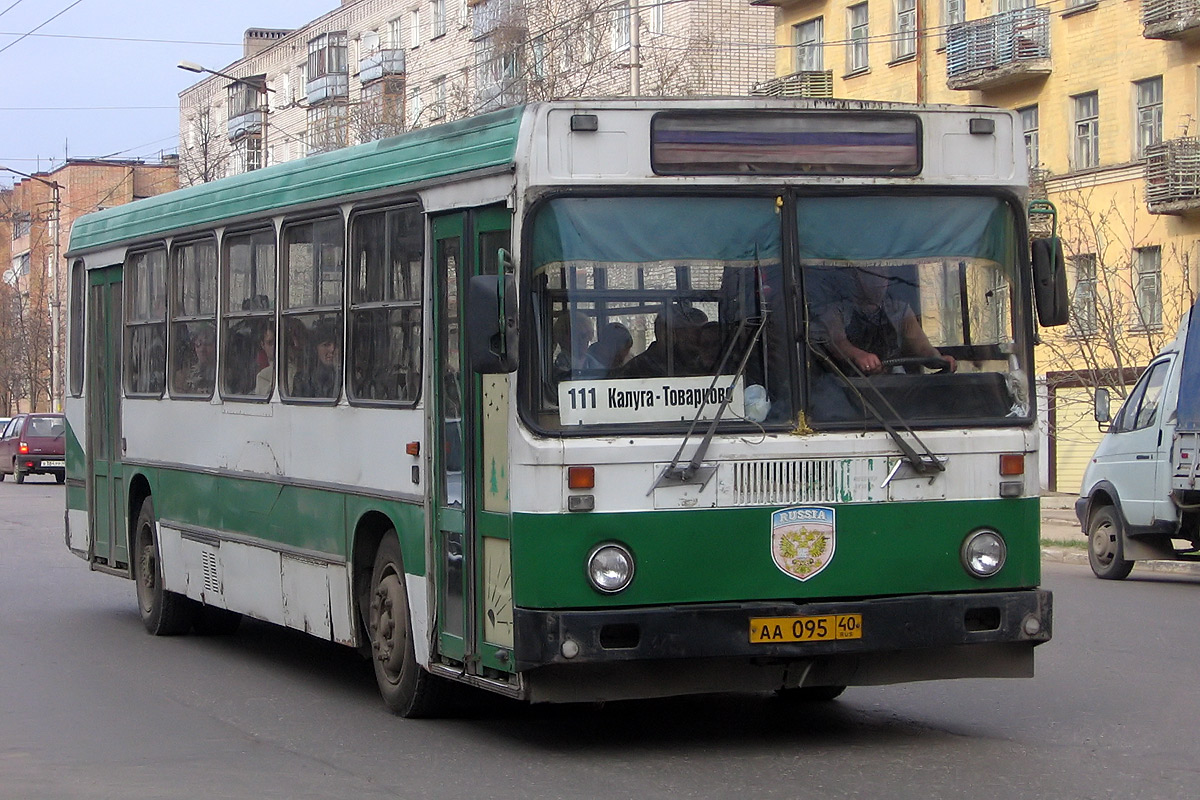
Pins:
x: 85, y: 108
x: 39, y: 27
x: 118, y: 39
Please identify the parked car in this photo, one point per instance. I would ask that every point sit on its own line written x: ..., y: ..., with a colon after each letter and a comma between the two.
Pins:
x: 33, y: 444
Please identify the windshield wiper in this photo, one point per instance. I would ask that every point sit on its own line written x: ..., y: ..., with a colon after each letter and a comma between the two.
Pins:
x: 924, y: 462
x: 693, y: 471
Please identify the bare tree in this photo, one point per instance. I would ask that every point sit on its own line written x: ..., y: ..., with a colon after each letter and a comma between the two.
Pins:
x: 204, y: 150
x: 1127, y: 295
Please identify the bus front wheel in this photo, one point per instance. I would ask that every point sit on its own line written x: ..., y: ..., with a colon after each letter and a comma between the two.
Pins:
x: 1106, y: 551
x: 407, y: 688
x: 163, y: 613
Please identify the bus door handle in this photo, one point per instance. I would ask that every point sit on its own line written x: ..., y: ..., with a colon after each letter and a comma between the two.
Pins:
x: 1142, y: 457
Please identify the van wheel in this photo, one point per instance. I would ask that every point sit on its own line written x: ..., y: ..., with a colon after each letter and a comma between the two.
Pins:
x: 408, y: 689
x: 163, y: 613
x: 1106, y: 552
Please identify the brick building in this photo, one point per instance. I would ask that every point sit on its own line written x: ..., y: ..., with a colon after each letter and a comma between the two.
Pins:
x: 1108, y: 96
x: 38, y: 213
x: 373, y: 68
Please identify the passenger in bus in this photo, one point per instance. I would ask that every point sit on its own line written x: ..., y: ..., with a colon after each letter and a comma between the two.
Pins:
x: 199, y: 374
x: 870, y: 326
x: 323, y: 378
x: 678, y: 325
x: 264, y: 381
x: 572, y: 334
x: 610, y: 350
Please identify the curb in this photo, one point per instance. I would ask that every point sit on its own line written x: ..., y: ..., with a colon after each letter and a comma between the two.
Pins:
x: 1064, y: 555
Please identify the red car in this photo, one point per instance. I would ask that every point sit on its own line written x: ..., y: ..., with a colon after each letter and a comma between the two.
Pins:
x: 33, y: 444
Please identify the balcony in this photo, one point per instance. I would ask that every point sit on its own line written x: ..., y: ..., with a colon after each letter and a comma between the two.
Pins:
x: 491, y: 17
x: 809, y: 83
x: 1170, y: 19
x: 1173, y: 176
x: 1000, y: 50
x: 333, y: 86
x: 247, y: 123
x: 380, y: 64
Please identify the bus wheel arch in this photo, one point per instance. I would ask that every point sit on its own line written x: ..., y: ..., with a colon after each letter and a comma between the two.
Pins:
x: 164, y: 613
x: 407, y: 688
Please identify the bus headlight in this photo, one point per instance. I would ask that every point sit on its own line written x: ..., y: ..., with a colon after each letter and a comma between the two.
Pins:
x: 983, y: 553
x: 610, y: 567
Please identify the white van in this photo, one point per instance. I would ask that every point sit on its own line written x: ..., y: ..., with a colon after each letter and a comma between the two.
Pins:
x: 1139, y: 497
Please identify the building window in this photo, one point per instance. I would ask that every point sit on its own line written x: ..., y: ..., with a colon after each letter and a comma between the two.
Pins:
x: 385, y: 305
x: 1083, y: 299
x: 1147, y: 288
x: 415, y: 107
x: 414, y: 27
x: 327, y: 55
x: 248, y: 153
x: 620, y: 27
x: 395, y: 34
x: 953, y: 13
x: 1029, y: 128
x: 437, y: 106
x: 437, y: 18
x: 310, y: 362
x: 22, y: 223
x: 856, y: 52
x: 1087, y: 130
x: 537, y: 58
x: 904, y: 44
x: 809, y: 37
x: 327, y: 127
x: 248, y: 315
x: 145, y: 283
x: 382, y: 111
x: 1149, y: 113
x: 656, y: 16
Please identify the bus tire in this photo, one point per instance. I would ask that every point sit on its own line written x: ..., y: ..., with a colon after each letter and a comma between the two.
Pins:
x: 408, y: 689
x: 163, y: 613
x: 1106, y: 550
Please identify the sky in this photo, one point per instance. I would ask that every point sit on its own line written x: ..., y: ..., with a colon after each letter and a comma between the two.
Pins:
x: 98, y: 78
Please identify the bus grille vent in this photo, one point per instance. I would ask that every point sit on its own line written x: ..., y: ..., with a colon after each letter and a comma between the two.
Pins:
x: 787, y: 481
x: 212, y: 583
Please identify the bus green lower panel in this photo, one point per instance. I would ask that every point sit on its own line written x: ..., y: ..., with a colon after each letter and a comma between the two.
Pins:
x: 715, y: 555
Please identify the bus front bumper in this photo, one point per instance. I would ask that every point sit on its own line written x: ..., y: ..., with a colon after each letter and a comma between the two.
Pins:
x: 930, y: 623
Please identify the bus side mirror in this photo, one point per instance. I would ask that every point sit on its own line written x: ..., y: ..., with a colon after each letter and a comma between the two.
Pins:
x: 1050, y: 282
x: 491, y: 320
x: 1102, y: 411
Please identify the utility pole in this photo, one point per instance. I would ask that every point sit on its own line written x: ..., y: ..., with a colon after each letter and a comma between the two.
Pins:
x: 635, y: 49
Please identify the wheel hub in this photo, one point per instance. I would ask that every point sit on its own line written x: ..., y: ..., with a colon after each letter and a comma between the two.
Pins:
x: 388, y: 625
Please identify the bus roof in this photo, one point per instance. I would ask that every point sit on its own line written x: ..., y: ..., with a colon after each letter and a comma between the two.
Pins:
x: 489, y: 140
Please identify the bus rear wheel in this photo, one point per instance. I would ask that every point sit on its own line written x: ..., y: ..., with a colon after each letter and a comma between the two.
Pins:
x: 1106, y: 552
x: 408, y: 689
x: 163, y: 613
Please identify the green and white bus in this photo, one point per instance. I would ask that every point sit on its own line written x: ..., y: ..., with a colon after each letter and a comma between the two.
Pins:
x: 555, y: 401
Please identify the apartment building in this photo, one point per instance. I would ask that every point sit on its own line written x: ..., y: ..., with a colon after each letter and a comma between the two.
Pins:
x: 37, y: 215
x: 1109, y: 98
x: 373, y: 68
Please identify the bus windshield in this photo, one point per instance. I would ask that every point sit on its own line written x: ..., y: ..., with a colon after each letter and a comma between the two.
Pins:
x: 657, y: 311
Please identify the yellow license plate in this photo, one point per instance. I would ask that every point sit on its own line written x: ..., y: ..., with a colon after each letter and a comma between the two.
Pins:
x: 805, y: 629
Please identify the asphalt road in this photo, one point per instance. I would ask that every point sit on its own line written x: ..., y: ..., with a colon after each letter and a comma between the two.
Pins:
x: 92, y: 707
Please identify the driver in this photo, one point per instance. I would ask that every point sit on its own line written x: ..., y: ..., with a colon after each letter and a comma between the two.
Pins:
x: 871, y: 326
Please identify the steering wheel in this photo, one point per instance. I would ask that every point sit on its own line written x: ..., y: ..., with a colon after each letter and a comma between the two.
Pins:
x: 931, y: 362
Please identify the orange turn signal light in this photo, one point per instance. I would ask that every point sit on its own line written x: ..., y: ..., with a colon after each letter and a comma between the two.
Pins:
x: 1012, y: 464
x: 581, y: 477
x: 413, y: 448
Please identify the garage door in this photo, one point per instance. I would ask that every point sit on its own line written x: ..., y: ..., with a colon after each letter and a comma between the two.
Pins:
x: 1076, y: 436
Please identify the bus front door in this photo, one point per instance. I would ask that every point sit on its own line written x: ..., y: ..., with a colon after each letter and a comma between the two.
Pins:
x: 465, y: 244
x: 107, y: 545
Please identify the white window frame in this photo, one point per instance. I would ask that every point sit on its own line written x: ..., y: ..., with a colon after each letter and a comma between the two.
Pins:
x: 656, y: 22
x: 1147, y: 288
x: 621, y: 20
x: 904, y: 42
x: 1083, y: 298
x: 809, y: 38
x: 437, y: 18
x: 395, y: 37
x: 414, y: 28
x: 954, y: 12
x: 1029, y: 129
x: 858, y: 26
x: 1085, y: 140
x: 1148, y: 122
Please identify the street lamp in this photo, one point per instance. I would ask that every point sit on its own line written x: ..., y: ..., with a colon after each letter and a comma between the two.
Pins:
x: 54, y: 301
x: 191, y: 66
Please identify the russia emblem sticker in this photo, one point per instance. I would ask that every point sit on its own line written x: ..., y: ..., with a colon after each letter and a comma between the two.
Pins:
x: 803, y: 540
